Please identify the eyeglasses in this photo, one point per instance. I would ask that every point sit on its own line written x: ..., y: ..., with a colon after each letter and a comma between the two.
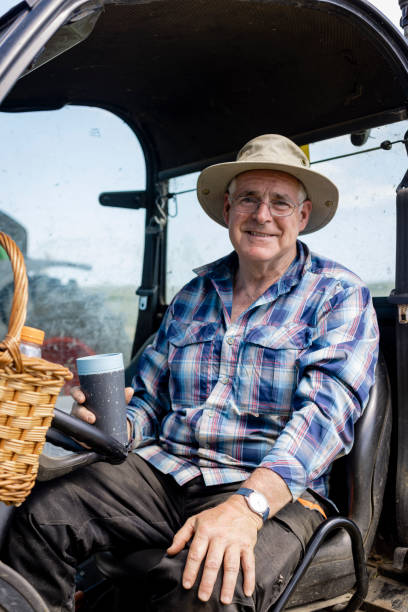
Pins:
x: 277, y: 208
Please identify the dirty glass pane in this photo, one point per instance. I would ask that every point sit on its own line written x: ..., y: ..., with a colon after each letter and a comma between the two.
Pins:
x: 361, y: 236
x: 193, y: 238
x: 83, y: 259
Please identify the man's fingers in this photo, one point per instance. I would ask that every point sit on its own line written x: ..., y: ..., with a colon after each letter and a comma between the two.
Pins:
x: 248, y: 570
x: 212, y: 566
x: 129, y: 391
x: 223, y: 536
x: 232, y: 560
x: 83, y: 413
x: 196, y: 554
x: 181, y: 537
x: 78, y: 395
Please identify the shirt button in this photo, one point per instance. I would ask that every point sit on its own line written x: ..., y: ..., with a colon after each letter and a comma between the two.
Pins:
x: 225, y: 380
x: 230, y: 340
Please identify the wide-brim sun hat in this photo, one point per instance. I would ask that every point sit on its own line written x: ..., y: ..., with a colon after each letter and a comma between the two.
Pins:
x: 269, y: 152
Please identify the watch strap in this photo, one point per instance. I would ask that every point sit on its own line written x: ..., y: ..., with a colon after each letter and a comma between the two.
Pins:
x: 244, y: 491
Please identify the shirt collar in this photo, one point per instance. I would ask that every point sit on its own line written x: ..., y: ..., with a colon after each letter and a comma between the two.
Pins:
x: 222, y: 271
x: 297, y: 268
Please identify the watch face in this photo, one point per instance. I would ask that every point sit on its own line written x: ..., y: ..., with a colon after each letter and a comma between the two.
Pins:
x: 257, y: 502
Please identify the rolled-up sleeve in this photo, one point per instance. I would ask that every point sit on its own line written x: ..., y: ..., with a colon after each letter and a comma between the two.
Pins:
x: 335, y: 374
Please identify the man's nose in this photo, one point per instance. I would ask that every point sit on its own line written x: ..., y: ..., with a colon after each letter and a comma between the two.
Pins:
x: 263, y: 213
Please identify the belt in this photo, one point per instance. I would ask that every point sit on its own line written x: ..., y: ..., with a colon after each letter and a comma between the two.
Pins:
x: 312, y: 506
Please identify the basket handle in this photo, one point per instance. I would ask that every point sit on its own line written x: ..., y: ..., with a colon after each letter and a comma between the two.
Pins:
x: 10, y: 347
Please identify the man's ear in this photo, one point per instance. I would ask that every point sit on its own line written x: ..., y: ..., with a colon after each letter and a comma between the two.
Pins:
x: 304, y: 214
x: 227, y: 208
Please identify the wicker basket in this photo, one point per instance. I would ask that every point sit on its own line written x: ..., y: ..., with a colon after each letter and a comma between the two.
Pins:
x: 29, y: 387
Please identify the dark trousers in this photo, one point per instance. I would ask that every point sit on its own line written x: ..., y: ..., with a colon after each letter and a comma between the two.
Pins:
x: 131, y: 507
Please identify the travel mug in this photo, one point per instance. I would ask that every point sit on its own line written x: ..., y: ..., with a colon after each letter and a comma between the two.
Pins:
x: 102, y: 380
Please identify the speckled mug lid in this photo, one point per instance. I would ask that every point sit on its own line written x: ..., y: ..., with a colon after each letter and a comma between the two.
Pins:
x: 99, y: 364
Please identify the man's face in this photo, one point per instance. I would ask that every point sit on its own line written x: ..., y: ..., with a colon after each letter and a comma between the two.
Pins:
x: 259, y: 237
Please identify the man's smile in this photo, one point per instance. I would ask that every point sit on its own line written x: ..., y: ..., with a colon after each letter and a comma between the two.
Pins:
x: 259, y: 234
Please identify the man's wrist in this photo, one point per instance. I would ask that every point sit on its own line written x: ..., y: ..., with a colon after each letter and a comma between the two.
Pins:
x: 256, y: 501
x: 272, y: 486
x: 130, y: 429
x: 239, y: 503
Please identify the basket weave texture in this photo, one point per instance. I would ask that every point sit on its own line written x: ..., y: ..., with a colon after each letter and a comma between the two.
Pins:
x: 29, y: 387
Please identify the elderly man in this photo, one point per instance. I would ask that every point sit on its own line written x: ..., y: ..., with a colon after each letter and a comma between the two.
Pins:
x: 250, y: 390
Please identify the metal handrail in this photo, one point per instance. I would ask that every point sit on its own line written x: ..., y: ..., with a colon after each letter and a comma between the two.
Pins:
x: 327, y: 527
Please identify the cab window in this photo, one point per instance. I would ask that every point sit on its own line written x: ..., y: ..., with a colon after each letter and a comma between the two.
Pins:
x: 83, y: 259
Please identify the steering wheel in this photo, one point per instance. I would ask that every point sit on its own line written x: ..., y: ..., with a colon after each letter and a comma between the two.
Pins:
x: 66, y: 431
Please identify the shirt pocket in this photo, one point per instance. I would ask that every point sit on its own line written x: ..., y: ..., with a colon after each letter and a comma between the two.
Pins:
x: 192, y: 348
x: 268, y: 368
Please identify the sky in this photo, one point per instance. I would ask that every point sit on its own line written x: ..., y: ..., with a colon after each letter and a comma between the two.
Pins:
x: 56, y: 164
x: 390, y: 8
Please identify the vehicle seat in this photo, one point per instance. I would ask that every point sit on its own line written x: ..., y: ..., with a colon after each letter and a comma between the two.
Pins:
x: 357, y: 486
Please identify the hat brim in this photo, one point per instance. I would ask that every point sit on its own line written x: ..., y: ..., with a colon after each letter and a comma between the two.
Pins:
x: 214, y: 180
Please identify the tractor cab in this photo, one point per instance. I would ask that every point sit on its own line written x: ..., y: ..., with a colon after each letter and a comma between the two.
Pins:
x: 108, y: 111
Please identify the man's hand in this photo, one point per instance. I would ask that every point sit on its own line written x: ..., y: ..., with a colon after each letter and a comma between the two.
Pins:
x: 225, y: 535
x: 81, y: 411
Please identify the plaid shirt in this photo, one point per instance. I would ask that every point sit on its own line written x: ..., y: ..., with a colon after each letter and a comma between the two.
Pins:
x: 281, y: 387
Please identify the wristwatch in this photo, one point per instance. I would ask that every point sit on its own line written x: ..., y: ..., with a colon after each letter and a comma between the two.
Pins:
x: 256, y: 501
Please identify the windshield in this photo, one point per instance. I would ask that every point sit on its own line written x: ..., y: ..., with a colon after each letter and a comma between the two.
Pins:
x: 83, y: 260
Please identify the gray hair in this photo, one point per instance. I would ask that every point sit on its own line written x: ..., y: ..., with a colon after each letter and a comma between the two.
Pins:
x: 302, y: 195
